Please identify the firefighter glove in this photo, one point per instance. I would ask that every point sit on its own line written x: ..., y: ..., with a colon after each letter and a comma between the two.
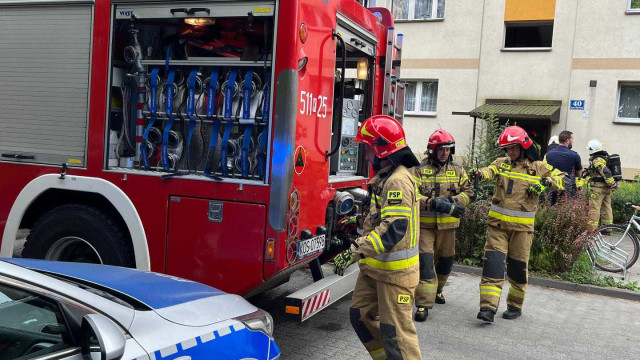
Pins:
x: 536, y: 189
x: 445, y: 207
x: 342, y: 262
x: 475, y: 174
x: 348, y: 220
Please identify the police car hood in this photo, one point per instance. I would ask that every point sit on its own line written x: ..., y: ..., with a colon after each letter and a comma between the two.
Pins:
x: 175, y: 299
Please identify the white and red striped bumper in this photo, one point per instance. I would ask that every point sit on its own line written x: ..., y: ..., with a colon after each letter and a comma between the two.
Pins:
x: 310, y: 300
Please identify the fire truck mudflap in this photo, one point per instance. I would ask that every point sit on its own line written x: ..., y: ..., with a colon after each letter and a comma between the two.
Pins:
x: 312, y: 299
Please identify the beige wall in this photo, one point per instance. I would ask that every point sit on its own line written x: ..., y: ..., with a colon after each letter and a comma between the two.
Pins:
x: 447, y: 51
x: 537, y: 75
x: 592, y: 40
x: 607, y: 49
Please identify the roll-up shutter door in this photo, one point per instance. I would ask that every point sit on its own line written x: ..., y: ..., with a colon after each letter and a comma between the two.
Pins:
x: 44, y: 83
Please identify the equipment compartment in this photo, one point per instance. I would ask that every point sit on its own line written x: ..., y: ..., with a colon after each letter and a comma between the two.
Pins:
x: 191, y: 89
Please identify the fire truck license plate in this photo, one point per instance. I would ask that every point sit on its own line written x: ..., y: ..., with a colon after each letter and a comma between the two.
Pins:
x: 310, y: 246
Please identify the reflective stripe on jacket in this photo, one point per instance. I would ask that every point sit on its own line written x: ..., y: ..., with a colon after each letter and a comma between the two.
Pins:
x: 389, y: 249
x: 511, y: 207
x: 437, y: 182
x: 599, y: 173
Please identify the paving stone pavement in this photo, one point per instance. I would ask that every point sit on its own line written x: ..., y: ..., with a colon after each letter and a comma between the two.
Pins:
x: 555, y: 325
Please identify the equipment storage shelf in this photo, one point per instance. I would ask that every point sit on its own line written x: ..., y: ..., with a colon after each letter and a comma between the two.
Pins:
x: 191, y: 89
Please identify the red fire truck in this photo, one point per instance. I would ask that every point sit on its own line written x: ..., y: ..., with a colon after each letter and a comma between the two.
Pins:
x: 211, y: 140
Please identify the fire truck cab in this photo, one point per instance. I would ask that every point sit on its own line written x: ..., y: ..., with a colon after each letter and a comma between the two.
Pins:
x: 211, y: 140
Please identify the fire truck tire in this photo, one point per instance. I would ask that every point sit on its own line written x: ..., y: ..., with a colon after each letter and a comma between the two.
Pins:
x: 79, y: 233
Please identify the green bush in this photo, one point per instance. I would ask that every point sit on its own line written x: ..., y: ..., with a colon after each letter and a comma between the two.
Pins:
x: 627, y: 192
x: 561, y: 235
x: 472, y: 233
x: 483, y: 151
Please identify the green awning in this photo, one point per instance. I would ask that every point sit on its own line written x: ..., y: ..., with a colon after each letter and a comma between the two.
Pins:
x: 514, y: 111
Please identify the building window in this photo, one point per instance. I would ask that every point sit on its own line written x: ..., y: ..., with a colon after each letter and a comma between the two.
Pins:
x: 421, y: 98
x: 628, y: 103
x: 418, y: 9
x: 633, y: 6
x: 528, y: 35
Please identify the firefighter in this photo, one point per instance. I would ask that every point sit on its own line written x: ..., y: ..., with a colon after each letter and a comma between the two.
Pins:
x: 439, y: 178
x: 387, y: 253
x: 601, y: 183
x: 521, y: 179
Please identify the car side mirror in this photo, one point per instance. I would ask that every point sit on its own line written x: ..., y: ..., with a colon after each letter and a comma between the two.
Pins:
x: 101, y: 338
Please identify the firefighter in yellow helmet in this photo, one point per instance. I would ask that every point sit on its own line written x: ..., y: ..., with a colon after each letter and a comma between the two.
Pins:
x: 521, y: 179
x: 601, y: 183
x: 387, y: 254
x: 439, y: 178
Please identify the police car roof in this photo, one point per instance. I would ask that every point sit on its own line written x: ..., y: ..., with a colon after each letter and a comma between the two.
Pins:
x: 152, y: 289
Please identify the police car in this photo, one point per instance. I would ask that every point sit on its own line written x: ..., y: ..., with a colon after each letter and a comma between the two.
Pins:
x: 56, y: 310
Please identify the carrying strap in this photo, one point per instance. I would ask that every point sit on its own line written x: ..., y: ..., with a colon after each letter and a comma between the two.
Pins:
x: 153, y: 107
x: 261, y: 151
x: 225, y: 148
x: 248, y: 129
x: 228, y: 95
x: 191, y: 98
x: 215, y: 126
x: 228, y: 109
x: 169, y: 111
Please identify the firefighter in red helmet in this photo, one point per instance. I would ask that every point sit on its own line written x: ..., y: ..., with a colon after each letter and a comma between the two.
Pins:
x: 520, y: 180
x: 387, y: 253
x: 438, y: 177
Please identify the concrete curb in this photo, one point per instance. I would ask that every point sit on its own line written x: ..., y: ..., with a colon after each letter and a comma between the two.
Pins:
x: 563, y: 285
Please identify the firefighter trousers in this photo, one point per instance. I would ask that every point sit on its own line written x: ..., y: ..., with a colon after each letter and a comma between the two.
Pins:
x: 510, y: 247
x: 437, y: 249
x: 381, y: 316
x: 600, y: 206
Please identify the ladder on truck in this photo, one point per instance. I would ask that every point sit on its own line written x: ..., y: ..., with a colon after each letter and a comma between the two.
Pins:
x: 393, y: 95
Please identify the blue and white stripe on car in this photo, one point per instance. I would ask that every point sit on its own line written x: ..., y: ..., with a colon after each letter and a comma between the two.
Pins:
x: 227, y: 342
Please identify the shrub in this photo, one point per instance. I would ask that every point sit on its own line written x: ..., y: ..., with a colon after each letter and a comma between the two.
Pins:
x: 472, y: 233
x: 482, y: 151
x: 627, y: 192
x: 561, y: 235
x: 559, y: 239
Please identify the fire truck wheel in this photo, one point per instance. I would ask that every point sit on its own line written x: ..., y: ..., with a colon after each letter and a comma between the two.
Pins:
x: 79, y: 233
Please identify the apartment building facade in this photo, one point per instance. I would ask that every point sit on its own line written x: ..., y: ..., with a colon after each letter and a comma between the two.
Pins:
x: 546, y: 65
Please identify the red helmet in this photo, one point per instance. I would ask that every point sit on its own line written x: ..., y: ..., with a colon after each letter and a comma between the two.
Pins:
x: 514, y: 135
x: 383, y: 133
x: 441, y: 138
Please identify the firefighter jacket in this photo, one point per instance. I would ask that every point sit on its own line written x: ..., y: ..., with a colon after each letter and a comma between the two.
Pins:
x: 599, y: 174
x: 436, y: 182
x: 388, y: 251
x: 511, y: 207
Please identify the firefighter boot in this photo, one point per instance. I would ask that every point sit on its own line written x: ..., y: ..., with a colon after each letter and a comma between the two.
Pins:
x: 440, y: 298
x: 486, y: 314
x: 421, y: 313
x: 511, y: 313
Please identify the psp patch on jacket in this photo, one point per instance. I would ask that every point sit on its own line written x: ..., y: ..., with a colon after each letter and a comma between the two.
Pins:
x: 394, y: 195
